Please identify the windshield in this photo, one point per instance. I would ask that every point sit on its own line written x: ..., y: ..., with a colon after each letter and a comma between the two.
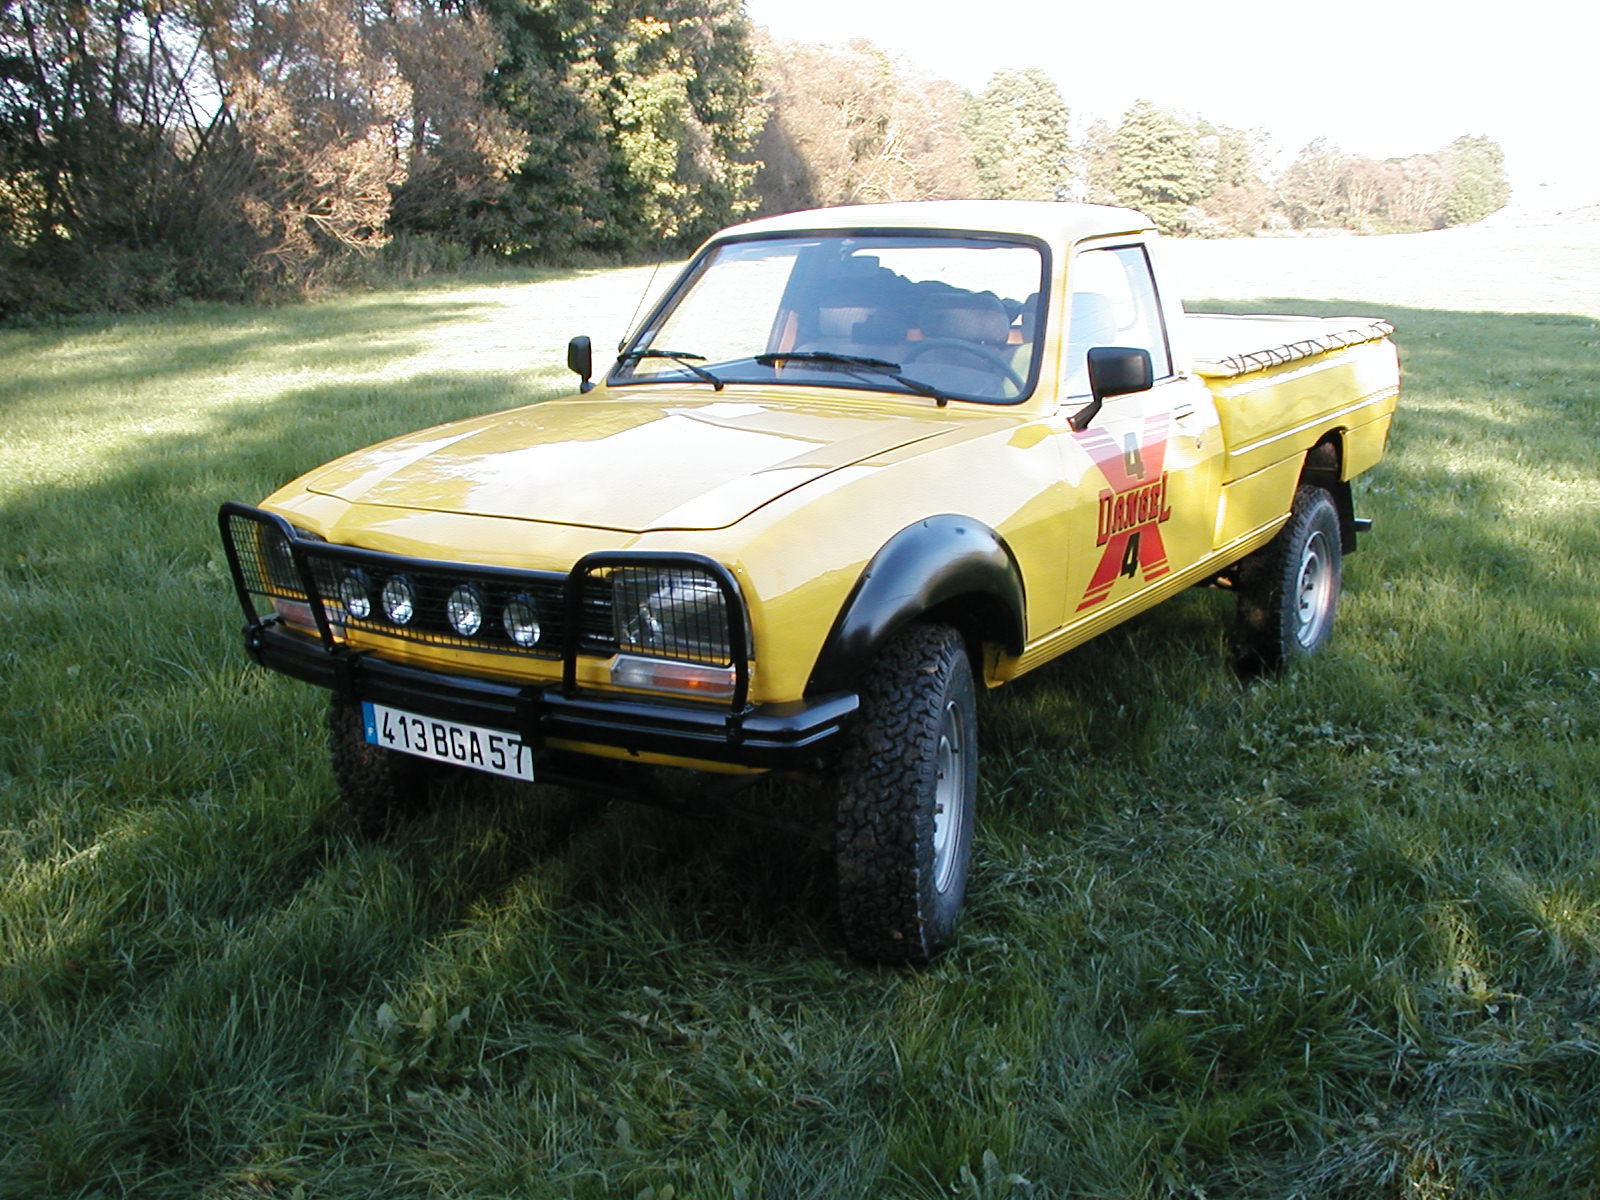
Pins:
x: 945, y: 316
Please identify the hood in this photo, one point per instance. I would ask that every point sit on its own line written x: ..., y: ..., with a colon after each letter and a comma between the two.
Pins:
x: 670, y: 460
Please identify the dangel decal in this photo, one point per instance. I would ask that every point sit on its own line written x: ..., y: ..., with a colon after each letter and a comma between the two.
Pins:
x: 1132, y: 510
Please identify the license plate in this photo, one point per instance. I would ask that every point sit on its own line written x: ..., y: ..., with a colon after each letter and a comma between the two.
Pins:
x: 492, y: 750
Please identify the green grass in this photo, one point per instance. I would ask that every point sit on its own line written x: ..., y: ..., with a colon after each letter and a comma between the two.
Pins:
x: 1334, y: 935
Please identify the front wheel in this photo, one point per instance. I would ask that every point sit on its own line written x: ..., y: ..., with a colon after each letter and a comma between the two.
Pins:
x: 380, y: 788
x: 1289, y: 590
x: 907, y: 782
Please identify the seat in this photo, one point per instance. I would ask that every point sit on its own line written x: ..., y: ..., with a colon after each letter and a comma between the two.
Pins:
x: 860, y: 330
x: 964, y: 346
x: 1023, y: 334
x: 837, y: 323
x: 967, y: 317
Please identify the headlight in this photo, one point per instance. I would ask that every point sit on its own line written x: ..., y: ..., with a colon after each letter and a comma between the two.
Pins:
x: 272, y: 573
x: 278, y: 560
x: 670, y: 613
x: 276, y: 563
x: 520, y: 617
x: 465, y: 609
x: 399, y: 600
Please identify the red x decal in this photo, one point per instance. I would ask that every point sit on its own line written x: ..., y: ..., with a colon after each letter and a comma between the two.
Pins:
x: 1132, y: 509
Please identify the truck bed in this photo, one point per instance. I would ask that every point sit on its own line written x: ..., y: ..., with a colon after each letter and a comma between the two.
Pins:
x: 1284, y: 384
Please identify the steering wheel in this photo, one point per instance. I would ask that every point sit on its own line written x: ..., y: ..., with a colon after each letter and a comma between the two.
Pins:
x: 988, y: 357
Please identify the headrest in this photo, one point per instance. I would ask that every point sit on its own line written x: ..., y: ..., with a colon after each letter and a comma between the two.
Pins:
x: 1028, y: 318
x: 1094, y: 321
x: 969, y: 316
x: 840, y: 321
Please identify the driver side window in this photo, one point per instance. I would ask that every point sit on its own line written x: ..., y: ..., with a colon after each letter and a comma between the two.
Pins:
x: 1113, y: 303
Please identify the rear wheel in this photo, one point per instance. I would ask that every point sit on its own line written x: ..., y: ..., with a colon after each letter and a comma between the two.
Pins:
x: 1289, y: 591
x: 907, y: 783
x: 380, y: 788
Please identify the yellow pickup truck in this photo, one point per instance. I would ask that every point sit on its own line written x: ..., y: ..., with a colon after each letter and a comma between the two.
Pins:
x: 855, y: 463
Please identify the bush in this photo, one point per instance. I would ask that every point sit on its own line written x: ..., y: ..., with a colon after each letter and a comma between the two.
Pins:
x: 47, y: 281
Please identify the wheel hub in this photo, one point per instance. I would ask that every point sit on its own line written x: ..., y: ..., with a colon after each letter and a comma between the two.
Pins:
x: 1314, y: 590
x: 949, y: 797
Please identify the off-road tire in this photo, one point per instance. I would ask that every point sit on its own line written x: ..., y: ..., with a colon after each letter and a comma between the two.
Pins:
x: 1288, y: 592
x: 380, y: 789
x: 907, y: 781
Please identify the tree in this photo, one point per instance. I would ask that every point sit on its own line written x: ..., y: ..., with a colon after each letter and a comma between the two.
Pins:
x: 203, y: 147
x: 1233, y: 200
x: 1308, y: 192
x: 1156, y: 166
x: 1479, y: 186
x: 850, y: 125
x: 308, y: 87
x: 1098, y: 157
x: 1018, y: 128
x: 458, y: 147
x: 1325, y: 187
x: 1415, y: 192
x: 213, y: 145
x: 98, y: 123
x: 686, y: 117
x: 338, y: 103
x: 639, y: 119
x: 1364, y: 184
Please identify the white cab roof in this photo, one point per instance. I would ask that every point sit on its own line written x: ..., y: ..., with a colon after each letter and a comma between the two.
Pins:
x: 1057, y: 224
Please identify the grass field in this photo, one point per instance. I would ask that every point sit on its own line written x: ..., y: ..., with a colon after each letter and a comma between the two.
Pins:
x: 1335, y: 935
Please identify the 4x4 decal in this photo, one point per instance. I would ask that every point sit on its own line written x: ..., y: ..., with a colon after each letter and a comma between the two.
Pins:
x: 1132, y: 509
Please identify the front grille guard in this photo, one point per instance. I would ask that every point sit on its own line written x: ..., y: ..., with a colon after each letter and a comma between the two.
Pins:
x: 273, y: 564
x: 594, y: 567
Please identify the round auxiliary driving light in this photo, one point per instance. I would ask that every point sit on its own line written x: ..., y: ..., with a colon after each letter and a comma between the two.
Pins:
x: 354, y: 595
x: 521, y: 620
x: 465, y: 609
x: 399, y: 600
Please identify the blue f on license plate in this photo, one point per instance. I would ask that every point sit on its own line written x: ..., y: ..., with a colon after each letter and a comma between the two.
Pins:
x: 492, y: 750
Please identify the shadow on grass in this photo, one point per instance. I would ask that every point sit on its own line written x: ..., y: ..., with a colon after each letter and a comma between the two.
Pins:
x: 352, y: 333
x: 726, y: 883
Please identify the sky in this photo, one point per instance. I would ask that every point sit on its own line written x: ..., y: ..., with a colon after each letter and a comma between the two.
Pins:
x: 1381, y: 80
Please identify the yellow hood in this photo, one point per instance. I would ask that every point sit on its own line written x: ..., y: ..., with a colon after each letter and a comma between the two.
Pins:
x: 649, y: 459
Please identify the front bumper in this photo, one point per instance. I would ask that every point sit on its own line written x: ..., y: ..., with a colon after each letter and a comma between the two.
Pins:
x: 791, y: 736
x: 331, y: 590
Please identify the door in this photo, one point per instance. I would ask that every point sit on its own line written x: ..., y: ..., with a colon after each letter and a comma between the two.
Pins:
x: 1145, y: 471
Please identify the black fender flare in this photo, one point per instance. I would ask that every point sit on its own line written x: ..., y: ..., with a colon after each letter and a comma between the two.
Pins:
x: 948, y: 562
x: 1324, y: 468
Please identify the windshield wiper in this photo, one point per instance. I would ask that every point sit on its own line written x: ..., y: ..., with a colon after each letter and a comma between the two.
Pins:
x: 860, y: 362
x: 683, y: 358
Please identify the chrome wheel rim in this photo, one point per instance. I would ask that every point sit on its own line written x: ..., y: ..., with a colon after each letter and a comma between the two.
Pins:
x: 949, y: 797
x: 1314, y: 589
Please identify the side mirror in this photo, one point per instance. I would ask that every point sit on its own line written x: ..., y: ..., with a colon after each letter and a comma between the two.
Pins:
x: 580, y: 360
x: 1113, y: 371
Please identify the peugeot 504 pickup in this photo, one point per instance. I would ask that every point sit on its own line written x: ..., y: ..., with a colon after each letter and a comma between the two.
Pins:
x: 853, y: 467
